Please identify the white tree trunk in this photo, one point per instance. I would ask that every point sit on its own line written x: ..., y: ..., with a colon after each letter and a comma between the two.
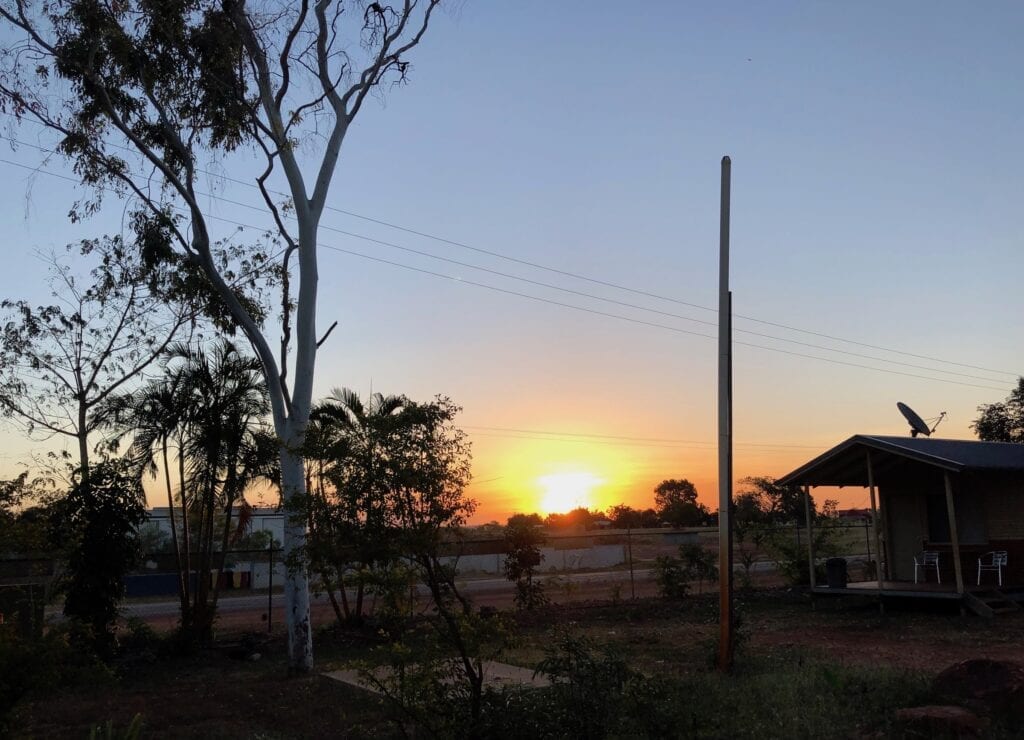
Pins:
x: 296, y: 585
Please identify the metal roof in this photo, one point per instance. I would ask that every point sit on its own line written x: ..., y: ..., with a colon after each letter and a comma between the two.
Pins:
x: 846, y: 463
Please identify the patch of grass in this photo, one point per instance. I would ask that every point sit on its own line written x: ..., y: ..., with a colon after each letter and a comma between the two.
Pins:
x: 791, y: 695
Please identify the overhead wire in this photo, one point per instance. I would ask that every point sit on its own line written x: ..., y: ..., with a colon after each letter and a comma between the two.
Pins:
x: 569, y: 305
x: 626, y: 437
x: 595, y: 281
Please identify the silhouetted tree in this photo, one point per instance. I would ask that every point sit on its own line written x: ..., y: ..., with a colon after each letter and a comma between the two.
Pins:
x: 1003, y: 421
x: 100, y: 523
x: 523, y: 538
x: 625, y: 517
x: 213, y: 404
x: 178, y: 83
x: 347, y: 451
x: 764, y: 500
x: 580, y: 518
x: 676, y: 501
x: 61, y: 364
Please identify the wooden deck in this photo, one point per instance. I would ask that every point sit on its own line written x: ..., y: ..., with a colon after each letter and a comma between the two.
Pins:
x: 985, y: 600
x: 898, y: 588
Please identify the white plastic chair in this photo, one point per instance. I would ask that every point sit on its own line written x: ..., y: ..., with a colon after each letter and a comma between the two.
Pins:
x: 924, y: 560
x: 995, y: 560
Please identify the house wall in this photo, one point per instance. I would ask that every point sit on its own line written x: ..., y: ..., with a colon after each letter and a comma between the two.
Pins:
x: 990, y: 516
x: 906, y: 528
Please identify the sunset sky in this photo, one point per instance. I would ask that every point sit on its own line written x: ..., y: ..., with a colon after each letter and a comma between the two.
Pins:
x: 877, y: 234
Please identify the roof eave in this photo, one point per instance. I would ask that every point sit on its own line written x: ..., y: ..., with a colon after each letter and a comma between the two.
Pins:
x: 798, y: 476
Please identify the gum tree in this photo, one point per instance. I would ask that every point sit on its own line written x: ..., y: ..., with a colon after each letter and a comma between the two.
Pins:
x: 143, y: 93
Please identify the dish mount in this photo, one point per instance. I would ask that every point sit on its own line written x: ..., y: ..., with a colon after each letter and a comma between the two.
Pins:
x: 917, y: 424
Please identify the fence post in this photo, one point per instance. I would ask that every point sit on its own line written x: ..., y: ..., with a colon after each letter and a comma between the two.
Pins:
x: 270, y: 588
x: 629, y: 545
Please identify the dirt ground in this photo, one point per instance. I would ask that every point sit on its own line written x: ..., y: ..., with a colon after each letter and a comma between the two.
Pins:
x: 214, y: 695
x: 923, y: 639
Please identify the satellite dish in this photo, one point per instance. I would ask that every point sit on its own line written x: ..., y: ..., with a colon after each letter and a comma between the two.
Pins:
x: 917, y: 424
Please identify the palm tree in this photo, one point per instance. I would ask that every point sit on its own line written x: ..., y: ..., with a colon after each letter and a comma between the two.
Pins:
x: 212, y: 404
x: 347, y: 448
x: 153, y: 416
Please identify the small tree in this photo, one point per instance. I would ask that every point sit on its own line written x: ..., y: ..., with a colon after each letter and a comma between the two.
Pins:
x: 765, y: 500
x: 101, y: 523
x: 1003, y: 421
x: 61, y: 364
x: 213, y: 405
x: 523, y: 538
x: 699, y: 563
x: 348, y: 449
x: 674, y: 574
x: 676, y: 502
x: 25, y: 513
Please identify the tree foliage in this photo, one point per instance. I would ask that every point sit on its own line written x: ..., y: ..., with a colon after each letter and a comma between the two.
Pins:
x: 626, y: 517
x: 676, y: 502
x: 764, y: 500
x: 211, y: 405
x: 674, y: 574
x: 61, y: 364
x: 25, y: 514
x: 348, y: 472
x: 523, y: 540
x: 141, y: 95
x: 386, y: 480
x: 397, y: 469
x: 100, y: 522
x: 1002, y: 421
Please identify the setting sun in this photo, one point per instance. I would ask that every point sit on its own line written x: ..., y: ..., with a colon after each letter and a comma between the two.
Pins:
x: 566, y: 491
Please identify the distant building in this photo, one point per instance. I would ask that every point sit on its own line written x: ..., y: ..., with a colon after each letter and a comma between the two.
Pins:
x: 854, y: 516
x: 263, y: 519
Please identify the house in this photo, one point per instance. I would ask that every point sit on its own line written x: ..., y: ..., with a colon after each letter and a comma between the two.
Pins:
x: 960, y: 498
x: 854, y: 516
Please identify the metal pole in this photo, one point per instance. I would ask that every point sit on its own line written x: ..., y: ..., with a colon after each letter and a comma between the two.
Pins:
x: 725, y: 616
x: 629, y: 544
x: 270, y: 589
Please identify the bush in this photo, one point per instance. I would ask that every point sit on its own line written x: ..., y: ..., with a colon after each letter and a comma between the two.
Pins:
x: 57, y: 660
x: 673, y: 575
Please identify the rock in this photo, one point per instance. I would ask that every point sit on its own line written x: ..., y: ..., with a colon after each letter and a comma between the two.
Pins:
x: 993, y: 687
x: 939, y: 722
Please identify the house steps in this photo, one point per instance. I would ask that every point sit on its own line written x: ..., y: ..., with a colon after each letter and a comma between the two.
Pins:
x: 990, y: 603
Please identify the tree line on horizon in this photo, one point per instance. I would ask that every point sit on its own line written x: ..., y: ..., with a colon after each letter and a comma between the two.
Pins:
x: 675, y: 505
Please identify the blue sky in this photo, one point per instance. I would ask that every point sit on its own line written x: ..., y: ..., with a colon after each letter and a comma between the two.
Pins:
x: 876, y: 197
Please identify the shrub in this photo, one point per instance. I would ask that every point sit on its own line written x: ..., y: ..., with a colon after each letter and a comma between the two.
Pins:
x: 59, y: 659
x: 673, y: 575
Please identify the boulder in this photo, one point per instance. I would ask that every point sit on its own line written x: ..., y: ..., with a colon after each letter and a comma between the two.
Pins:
x: 939, y: 722
x: 992, y: 687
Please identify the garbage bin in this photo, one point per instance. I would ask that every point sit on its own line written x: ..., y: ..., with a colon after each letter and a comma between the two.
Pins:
x: 835, y: 572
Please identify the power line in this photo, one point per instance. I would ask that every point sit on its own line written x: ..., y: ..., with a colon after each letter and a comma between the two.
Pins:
x: 634, y: 439
x: 569, y: 305
x: 646, y: 323
x: 585, y: 278
x: 589, y: 295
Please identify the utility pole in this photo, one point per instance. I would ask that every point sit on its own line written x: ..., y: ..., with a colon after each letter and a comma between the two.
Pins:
x: 725, y: 615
